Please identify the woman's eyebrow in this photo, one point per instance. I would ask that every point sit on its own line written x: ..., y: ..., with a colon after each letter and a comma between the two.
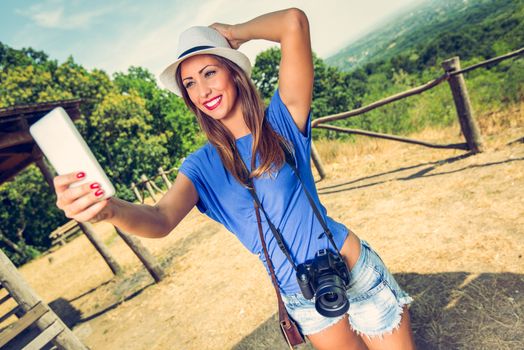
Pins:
x: 200, y: 71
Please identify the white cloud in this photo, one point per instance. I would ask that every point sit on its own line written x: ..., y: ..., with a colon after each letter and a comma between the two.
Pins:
x: 55, y: 14
x: 49, y: 19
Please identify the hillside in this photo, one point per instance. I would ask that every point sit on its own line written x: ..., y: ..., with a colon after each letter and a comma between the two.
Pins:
x: 448, y: 225
x: 468, y: 27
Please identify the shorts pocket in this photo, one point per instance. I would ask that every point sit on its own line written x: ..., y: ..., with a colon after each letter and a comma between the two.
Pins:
x: 377, y: 313
x: 366, y: 281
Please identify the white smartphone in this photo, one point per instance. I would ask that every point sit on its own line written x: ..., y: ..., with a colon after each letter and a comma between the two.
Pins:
x: 67, y: 151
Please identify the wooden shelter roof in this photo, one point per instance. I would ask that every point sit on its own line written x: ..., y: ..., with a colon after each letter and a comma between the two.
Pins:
x: 17, y: 147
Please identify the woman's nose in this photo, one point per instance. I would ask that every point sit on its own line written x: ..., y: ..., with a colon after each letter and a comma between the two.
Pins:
x: 204, y: 90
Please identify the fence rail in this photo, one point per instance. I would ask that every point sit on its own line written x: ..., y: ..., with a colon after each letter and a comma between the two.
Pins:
x: 148, y: 184
x: 454, y: 76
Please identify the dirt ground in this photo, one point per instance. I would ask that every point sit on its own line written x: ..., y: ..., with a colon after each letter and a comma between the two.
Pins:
x: 449, y: 225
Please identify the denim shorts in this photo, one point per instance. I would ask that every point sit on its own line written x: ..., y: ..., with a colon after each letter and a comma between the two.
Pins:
x: 375, y: 300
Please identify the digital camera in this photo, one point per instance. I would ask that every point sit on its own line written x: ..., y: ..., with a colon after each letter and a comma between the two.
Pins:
x: 326, y: 278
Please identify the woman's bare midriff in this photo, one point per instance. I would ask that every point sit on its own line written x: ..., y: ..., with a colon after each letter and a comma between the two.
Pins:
x: 351, y: 249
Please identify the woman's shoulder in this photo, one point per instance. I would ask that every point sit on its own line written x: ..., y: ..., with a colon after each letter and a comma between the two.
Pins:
x: 202, y: 151
x: 281, y: 120
x: 200, y: 156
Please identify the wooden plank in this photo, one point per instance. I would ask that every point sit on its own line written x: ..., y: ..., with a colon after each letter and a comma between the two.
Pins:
x: 462, y: 146
x: 24, y: 295
x: 63, y: 229
x: 71, y: 233
x: 61, y: 240
x: 19, y: 326
x: 10, y: 313
x: 45, y: 337
x: 5, y: 298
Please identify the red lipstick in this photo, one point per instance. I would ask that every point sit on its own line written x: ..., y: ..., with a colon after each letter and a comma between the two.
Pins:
x: 213, y: 103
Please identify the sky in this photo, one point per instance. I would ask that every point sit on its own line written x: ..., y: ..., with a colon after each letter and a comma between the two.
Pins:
x: 113, y: 35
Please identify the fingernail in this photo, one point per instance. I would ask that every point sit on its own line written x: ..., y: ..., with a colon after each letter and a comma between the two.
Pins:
x: 99, y: 193
x: 95, y: 185
x: 80, y: 175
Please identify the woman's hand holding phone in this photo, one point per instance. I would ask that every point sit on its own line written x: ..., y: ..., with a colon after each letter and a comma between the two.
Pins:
x: 84, y: 202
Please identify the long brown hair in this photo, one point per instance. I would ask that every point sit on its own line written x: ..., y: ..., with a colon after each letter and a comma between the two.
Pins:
x: 265, y: 139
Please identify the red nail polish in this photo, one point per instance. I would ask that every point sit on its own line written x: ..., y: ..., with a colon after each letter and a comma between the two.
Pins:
x: 80, y: 175
x: 99, y: 193
x: 95, y: 185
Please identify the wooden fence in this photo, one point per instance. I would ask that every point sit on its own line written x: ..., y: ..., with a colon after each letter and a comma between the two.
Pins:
x: 453, y: 74
x: 149, y: 185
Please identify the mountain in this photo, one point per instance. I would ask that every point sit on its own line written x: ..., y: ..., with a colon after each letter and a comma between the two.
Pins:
x: 443, y: 23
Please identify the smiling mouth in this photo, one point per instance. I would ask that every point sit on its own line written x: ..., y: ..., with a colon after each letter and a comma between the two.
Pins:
x: 212, y: 104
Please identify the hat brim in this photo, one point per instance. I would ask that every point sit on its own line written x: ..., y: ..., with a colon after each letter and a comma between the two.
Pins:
x: 168, y: 79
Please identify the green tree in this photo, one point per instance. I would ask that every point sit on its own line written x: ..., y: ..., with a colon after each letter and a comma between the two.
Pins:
x: 28, y: 214
x: 170, y: 115
x: 122, y: 141
x: 334, y: 91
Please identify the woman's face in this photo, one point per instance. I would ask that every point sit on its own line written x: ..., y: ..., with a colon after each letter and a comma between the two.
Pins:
x: 209, y: 86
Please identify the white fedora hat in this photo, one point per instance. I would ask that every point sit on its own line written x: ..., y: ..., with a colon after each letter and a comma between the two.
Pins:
x: 201, y: 40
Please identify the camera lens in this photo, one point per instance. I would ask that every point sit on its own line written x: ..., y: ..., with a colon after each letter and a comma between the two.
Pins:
x: 331, y: 299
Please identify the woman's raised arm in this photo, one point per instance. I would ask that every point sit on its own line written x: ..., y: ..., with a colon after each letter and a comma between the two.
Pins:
x: 291, y: 29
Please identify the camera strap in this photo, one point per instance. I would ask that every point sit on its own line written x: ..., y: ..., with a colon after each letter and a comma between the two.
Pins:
x: 290, y: 159
x: 276, y: 231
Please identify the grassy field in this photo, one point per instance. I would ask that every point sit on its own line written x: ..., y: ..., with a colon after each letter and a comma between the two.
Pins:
x: 449, y: 225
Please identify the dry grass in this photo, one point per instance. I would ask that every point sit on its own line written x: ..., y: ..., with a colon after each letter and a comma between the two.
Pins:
x: 449, y: 226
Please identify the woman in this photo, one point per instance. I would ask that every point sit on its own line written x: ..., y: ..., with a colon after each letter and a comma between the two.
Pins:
x: 213, y: 78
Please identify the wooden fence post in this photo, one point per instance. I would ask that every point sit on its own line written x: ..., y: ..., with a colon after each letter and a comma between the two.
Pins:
x: 154, y: 186
x: 149, y: 261
x: 100, y: 247
x: 149, y: 187
x: 137, y: 192
x: 317, y: 161
x: 44, y: 168
x: 164, y: 176
x: 468, y: 124
x: 26, y: 297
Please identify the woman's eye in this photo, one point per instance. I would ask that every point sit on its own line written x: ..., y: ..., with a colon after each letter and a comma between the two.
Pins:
x: 210, y: 73
x: 188, y: 85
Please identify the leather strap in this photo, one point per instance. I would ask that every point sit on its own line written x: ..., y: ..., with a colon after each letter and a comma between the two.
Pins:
x: 276, y: 231
x: 282, y: 312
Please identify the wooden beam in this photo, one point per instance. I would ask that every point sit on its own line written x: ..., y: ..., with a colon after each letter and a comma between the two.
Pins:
x: 19, y: 326
x: 10, y: 313
x: 26, y: 298
x: 8, y: 174
x: 42, y: 107
x: 462, y: 146
x: 100, y: 247
x: 45, y: 337
x: 371, y: 106
x: 15, y: 138
x: 5, y: 298
x: 149, y: 261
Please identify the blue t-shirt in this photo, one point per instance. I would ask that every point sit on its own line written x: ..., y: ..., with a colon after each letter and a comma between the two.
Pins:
x: 226, y: 201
